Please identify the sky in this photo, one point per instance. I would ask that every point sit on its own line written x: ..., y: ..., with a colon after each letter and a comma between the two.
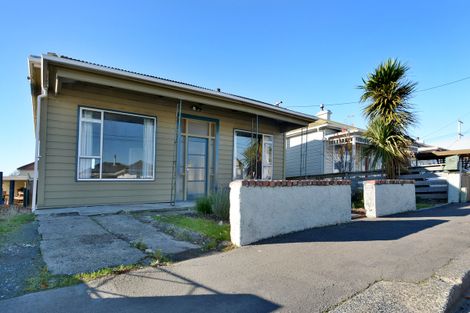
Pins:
x: 302, y: 53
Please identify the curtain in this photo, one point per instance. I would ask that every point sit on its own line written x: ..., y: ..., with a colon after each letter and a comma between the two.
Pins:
x: 86, y: 147
x: 267, y: 157
x: 148, y: 149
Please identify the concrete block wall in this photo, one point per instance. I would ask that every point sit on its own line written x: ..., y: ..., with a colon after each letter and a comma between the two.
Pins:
x: 389, y: 196
x: 458, y: 187
x: 264, y: 209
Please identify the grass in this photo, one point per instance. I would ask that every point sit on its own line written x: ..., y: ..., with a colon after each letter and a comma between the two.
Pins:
x: 46, y: 280
x: 9, y: 223
x: 159, y: 259
x: 140, y: 245
x: 206, y: 227
x: 425, y: 205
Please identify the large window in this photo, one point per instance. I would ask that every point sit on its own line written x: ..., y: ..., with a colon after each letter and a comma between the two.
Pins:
x: 115, y: 146
x: 253, y: 156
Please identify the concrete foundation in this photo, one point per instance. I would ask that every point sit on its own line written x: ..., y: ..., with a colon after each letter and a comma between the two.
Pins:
x: 386, y: 197
x: 264, y: 209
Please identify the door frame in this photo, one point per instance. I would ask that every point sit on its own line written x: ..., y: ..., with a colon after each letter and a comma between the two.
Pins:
x: 206, y: 177
x: 216, y: 152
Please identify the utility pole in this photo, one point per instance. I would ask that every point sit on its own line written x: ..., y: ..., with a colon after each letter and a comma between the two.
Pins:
x: 459, y: 129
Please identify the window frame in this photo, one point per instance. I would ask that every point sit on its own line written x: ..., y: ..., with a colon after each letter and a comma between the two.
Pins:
x: 234, y: 165
x: 100, y: 157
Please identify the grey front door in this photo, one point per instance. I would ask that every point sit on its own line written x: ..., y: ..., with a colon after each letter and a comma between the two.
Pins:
x: 196, y: 167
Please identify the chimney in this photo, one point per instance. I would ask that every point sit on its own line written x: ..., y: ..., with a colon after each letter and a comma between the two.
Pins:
x: 324, y: 114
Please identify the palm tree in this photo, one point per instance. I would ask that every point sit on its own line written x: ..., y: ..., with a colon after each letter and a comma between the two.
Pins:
x: 388, y: 148
x: 387, y: 92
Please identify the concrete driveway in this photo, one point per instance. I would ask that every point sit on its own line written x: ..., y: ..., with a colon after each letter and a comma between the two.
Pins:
x: 309, y: 271
x: 74, y: 244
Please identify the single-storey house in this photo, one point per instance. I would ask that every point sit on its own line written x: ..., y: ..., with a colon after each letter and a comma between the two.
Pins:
x: 109, y: 136
x: 15, y: 185
x: 325, y: 147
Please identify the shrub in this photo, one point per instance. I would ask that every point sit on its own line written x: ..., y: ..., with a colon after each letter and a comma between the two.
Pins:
x: 204, y: 205
x: 221, y: 204
x: 357, y: 199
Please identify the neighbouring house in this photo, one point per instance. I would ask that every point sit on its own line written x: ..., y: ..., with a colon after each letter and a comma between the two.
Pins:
x: 15, y: 185
x: 324, y: 147
x: 111, y: 136
x: 432, y: 155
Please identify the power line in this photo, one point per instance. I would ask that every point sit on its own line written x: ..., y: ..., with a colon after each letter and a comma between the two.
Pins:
x: 446, y: 125
x: 354, y: 102
x: 445, y: 84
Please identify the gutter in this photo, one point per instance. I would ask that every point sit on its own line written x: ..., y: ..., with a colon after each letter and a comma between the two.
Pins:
x: 37, y: 149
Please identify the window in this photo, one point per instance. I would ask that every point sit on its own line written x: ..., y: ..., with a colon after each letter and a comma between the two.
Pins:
x: 115, y: 146
x: 253, y: 156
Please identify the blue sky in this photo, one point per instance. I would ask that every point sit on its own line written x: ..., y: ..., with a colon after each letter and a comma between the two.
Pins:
x: 301, y: 52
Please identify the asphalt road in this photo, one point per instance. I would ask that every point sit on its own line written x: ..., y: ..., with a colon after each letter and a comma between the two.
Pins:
x: 308, y: 271
x: 464, y: 306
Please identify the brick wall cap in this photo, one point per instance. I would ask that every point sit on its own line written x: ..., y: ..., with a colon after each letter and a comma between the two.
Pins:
x: 294, y: 183
x: 390, y: 182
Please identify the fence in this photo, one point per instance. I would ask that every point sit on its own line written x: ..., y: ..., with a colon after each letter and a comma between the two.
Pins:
x: 431, y: 181
x: 263, y: 209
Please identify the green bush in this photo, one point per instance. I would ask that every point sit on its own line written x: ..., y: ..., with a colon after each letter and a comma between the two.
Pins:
x: 204, y: 205
x: 221, y: 204
x: 357, y: 199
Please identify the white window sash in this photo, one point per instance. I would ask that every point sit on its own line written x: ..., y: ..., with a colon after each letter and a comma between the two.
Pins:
x: 151, y: 138
x: 267, y: 137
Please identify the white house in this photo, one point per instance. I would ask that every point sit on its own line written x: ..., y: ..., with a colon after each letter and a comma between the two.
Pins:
x: 324, y: 147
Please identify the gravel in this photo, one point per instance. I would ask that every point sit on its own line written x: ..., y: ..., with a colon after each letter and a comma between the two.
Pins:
x: 20, y: 259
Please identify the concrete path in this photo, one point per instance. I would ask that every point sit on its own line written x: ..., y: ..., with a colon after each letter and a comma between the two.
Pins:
x: 309, y: 271
x: 132, y: 230
x: 78, y: 244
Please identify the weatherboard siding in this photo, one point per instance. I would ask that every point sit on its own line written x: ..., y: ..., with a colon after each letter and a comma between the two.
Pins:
x: 312, y: 147
x: 58, y: 186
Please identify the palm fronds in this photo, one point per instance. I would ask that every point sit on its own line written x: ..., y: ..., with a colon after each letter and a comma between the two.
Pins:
x: 387, y: 92
x: 388, y: 147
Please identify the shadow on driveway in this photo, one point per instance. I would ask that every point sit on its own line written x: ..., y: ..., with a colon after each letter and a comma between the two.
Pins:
x: 369, y: 230
x: 388, y: 228
x: 184, y: 303
x: 180, y: 294
x: 449, y: 210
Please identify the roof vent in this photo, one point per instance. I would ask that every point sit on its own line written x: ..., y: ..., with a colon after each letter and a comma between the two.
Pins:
x: 218, y: 89
x: 53, y: 54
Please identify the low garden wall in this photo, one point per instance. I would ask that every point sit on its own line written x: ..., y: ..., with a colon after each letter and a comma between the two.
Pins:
x: 389, y: 196
x: 264, y: 209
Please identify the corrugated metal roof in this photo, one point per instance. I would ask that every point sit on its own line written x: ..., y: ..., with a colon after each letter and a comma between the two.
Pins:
x: 133, y: 72
x: 222, y: 93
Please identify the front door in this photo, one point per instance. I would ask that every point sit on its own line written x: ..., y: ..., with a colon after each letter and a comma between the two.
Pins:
x: 196, y: 167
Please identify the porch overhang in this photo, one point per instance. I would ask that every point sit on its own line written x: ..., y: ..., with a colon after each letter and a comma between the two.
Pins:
x: 347, y: 137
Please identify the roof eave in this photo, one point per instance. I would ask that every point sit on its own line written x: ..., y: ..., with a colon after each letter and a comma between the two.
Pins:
x: 305, y: 118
